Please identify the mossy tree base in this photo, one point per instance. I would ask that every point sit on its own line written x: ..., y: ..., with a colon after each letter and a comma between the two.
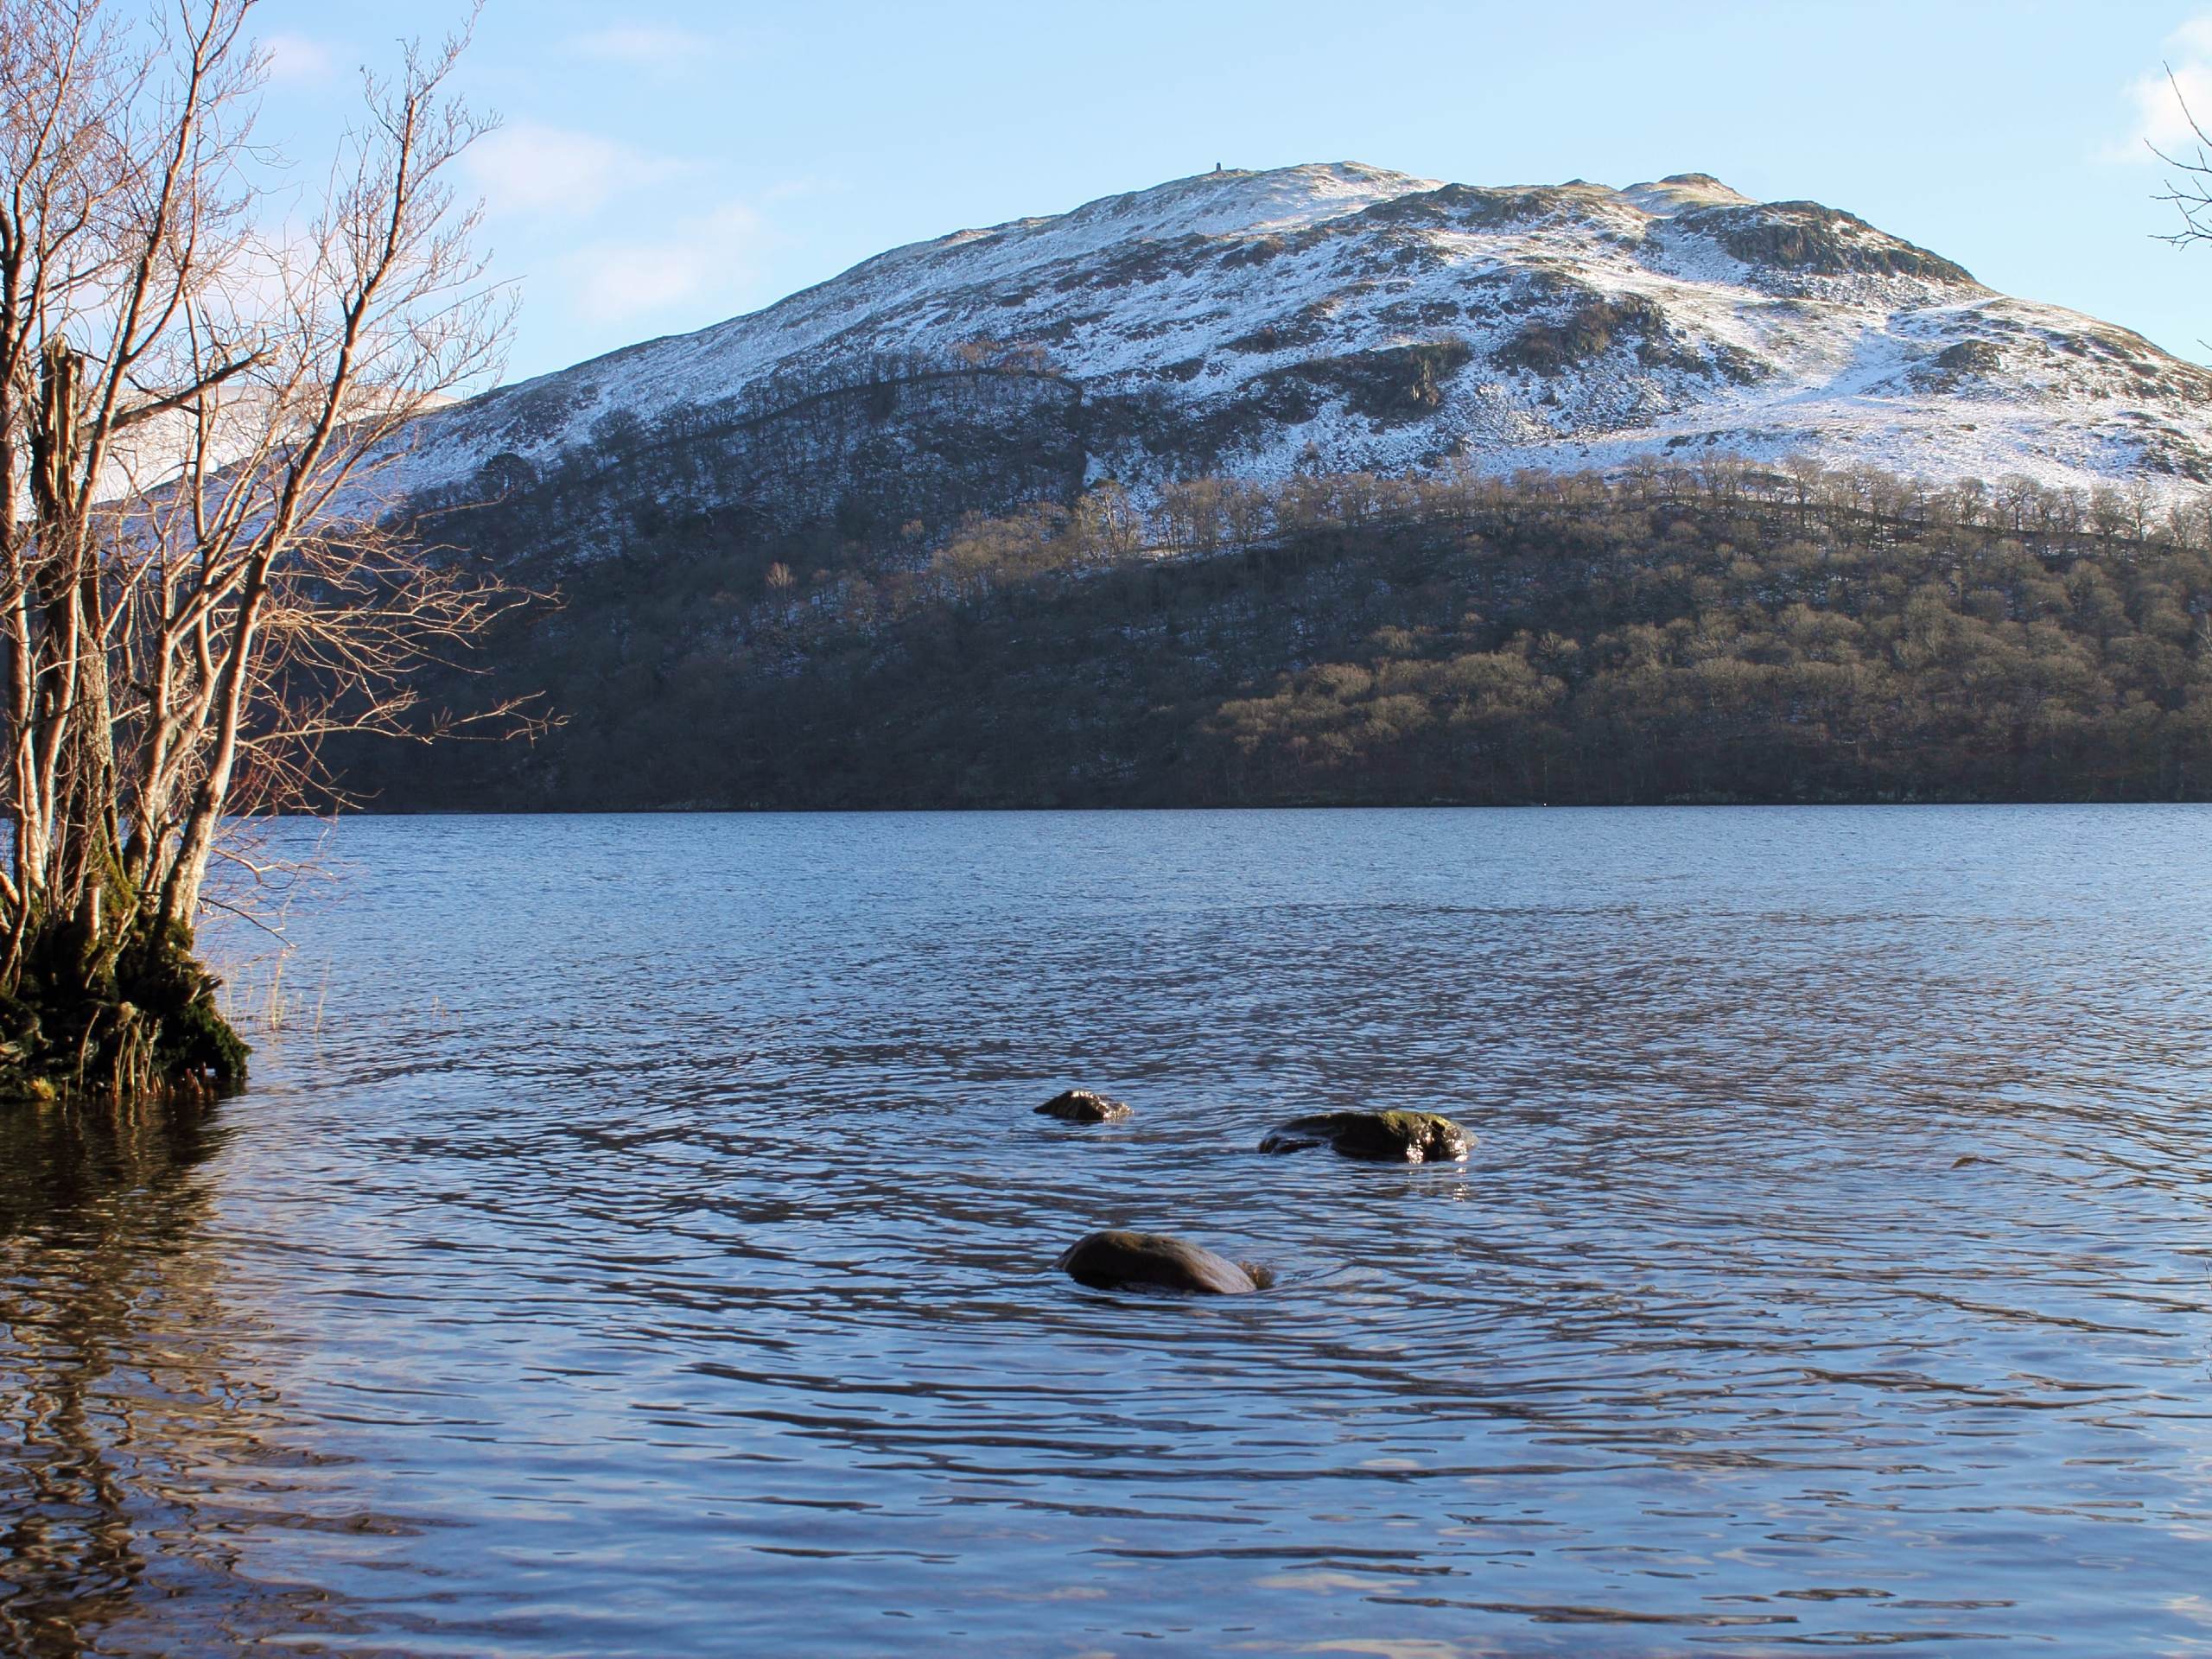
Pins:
x: 131, y: 1024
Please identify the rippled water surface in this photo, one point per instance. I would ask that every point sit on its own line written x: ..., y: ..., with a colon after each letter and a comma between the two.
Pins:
x: 637, y: 1240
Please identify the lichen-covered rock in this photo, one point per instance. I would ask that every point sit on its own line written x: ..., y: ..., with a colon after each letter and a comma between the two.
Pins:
x: 1082, y: 1106
x: 1389, y: 1137
x: 1120, y: 1260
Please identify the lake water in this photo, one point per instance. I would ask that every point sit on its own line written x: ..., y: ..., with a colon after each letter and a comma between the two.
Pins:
x: 637, y: 1240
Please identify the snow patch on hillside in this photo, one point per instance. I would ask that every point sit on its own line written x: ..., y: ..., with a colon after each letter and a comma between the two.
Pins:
x: 1590, y: 326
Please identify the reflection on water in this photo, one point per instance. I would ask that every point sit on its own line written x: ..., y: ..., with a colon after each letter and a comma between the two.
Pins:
x: 649, y: 1252
x: 126, y: 1418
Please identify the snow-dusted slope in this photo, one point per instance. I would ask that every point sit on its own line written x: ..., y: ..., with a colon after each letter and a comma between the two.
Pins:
x: 1347, y: 317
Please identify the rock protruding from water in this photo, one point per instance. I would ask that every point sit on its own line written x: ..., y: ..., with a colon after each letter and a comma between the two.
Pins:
x: 1120, y: 1260
x: 1387, y: 1137
x: 1082, y: 1106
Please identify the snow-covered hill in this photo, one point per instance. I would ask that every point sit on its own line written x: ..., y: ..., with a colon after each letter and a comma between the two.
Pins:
x: 1344, y: 317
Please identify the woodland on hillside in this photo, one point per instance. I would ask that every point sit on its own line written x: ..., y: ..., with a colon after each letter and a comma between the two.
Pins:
x: 1723, y: 633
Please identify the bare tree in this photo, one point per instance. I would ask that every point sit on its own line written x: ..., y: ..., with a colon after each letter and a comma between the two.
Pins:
x: 2191, y: 193
x: 200, y: 576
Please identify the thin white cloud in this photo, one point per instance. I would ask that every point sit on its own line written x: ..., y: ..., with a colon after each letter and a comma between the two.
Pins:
x: 296, y: 58
x: 2193, y: 36
x: 644, y: 46
x: 708, y: 257
x: 535, y: 169
x: 2162, y: 100
x: 800, y: 188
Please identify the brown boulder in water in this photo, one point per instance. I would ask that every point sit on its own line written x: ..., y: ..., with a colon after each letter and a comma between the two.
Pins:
x: 1082, y: 1106
x: 1120, y: 1260
x: 1390, y: 1137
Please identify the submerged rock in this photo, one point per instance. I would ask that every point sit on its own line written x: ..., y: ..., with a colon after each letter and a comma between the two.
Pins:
x: 1391, y: 1137
x: 1082, y: 1106
x: 1116, y: 1260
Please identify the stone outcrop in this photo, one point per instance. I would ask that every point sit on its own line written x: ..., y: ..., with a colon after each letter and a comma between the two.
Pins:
x: 1125, y: 1261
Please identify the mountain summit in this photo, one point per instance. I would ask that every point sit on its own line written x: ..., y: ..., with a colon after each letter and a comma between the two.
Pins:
x: 1343, y: 317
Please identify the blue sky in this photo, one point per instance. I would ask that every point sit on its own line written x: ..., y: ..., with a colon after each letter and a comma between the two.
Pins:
x: 676, y: 163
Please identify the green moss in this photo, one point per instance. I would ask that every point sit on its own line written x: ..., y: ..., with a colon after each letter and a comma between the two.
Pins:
x: 148, y: 1027
x: 1413, y: 1125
